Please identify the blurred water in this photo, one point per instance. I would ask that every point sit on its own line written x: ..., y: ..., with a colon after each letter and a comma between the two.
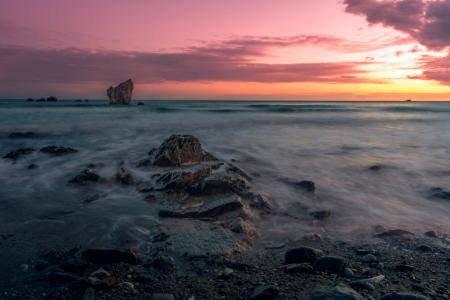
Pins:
x: 332, y: 144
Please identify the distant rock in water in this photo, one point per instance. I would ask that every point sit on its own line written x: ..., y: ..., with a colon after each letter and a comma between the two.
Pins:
x: 52, y: 99
x: 122, y: 93
x: 30, y: 99
x: 22, y: 135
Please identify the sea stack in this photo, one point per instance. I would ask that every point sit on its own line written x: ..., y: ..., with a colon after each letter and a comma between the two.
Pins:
x: 122, y: 93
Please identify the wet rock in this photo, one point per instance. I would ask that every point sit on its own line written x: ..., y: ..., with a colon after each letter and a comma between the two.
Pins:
x: 124, y: 177
x: 22, y: 135
x: 180, y: 179
x: 404, y: 268
x: 264, y: 292
x: 30, y: 100
x: 348, y: 273
x: 140, y: 103
x: 312, y: 236
x: 178, y: 150
x: 109, y: 256
x: 369, y: 258
x: 58, y: 150
x: 209, y: 157
x: 375, y: 168
x: 367, y: 284
x: 439, y: 193
x: 225, y: 273
x: 305, y: 185
x: 40, y: 100
x: 162, y: 296
x: 302, y: 255
x: 339, y: 292
x: 424, y: 248
x: 223, y: 182
x: 101, y: 279
x: 52, y: 99
x: 61, y: 277
x: 32, y: 167
x: 433, y: 234
x: 164, y: 263
x: 122, y: 93
x: 394, y: 233
x: 19, y: 153
x: 85, y: 177
x: 299, y: 268
x: 211, y: 208
x: 261, y: 202
x: 320, y: 214
x: 89, y: 294
x: 330, y: 264
x: 403, y: 296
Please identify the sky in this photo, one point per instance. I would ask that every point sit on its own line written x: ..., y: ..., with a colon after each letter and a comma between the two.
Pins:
x: 234, y: 49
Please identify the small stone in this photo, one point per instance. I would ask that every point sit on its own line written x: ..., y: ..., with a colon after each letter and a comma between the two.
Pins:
x: 32, y: 166
x: 424, y: 248
x: 225, y: 273
x: 330, y: 264
x: 369, y: 258
x: 306, y: 185
x: 404, y: 268
x: 403, y: 296
x: 84, y: 177
x: 264, y: 292
x: 394, y: 233
x: 320, y: 214
x: 102, y: 279
x: 302, y: 255
x: 164, y: 263
x: 161, y: 296
x: 367, y: 284
x: 339, y: 292
x: 348, y: 273
x: 298, y: 268
x: 89, y: 294
x: 140, y: 103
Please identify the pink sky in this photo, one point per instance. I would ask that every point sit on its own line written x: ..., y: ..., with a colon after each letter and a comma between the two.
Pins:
x: 324, y: 49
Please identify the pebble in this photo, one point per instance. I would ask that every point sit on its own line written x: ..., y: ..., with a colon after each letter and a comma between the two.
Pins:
x: 298, y: 268
x: 264, y: 292
x: 302, y: 255
x: 424, y: 248
x: 369, y: 258
x: 89, y: 294
x: 339, y: 292
x: 330, y: 264
x: 348, y: 273
x: 161, y: 296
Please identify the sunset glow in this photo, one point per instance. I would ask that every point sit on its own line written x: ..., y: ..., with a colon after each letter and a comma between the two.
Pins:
x: 243, y: 50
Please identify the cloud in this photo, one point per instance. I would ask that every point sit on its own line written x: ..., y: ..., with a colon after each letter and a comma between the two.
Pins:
x: 435, y: 68
x: 229, y: 60
x: 426, y: 21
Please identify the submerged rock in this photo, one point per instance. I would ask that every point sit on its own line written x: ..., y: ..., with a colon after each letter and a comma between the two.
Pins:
x: 178, y: 150
x: 124, y: 177
x: 85, y: 176
x: 439, y: 193
x: 122, y: 93
x: 22, y: 135
x: 58, y: 150
x: 16, y: 154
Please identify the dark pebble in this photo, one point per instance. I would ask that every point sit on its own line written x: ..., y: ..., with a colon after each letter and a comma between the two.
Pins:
x: 302, y: 255
x: 330, y: 264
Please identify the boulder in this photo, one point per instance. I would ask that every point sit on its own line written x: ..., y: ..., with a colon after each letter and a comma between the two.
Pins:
x: 223, y: 182
x: 179, y: 179
x: 178, y: 150
x: 302, y: 255
x: 339, y: 292
x: 122, y: 93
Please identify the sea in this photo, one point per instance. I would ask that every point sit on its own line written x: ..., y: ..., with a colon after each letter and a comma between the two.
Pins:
x: 374, y: 165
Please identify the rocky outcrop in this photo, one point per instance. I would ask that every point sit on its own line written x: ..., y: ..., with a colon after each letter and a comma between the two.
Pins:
x: 178, y: 150
x: 122, y: 93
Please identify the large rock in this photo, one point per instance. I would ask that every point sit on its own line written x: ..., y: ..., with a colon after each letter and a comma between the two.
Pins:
x: 330, y: 264
x: 180, y: 179
x: 178, y: 150
x: 302, y: 255
x: 339, y: 292
x: 122, y: 93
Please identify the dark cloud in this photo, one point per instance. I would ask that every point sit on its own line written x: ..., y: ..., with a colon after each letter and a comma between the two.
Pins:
x: 426, y: 21
x: 436, y: 69
x: 230, y: 60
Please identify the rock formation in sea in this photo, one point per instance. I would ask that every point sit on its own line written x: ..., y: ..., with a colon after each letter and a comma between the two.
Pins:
x: 122, y: 93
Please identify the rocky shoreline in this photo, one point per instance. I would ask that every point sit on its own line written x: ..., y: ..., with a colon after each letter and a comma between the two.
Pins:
x: 207, y: 244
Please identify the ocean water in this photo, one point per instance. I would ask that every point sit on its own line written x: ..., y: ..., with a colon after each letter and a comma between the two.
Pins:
x: 331, y: 143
